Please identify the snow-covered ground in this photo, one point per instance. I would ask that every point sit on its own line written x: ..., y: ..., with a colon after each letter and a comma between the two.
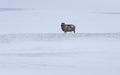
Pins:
x: 32, y: 42
x: 60, y: 54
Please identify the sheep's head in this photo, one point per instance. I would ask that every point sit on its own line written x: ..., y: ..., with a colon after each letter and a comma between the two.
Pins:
x: 63, y: 26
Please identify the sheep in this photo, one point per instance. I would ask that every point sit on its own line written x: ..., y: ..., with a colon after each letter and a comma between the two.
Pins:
x: 67, y: 27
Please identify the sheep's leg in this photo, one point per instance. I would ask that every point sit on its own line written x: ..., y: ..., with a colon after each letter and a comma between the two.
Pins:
x: 74, y: 31
x: 65, y: 32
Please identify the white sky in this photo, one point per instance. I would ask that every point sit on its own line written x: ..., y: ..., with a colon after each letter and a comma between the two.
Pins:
x: 45, y: 16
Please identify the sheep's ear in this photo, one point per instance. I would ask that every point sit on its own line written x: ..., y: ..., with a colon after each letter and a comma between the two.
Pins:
x: 62, y: 23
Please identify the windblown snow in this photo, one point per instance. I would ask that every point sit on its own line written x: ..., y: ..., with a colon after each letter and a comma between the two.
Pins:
x: 60, y: 54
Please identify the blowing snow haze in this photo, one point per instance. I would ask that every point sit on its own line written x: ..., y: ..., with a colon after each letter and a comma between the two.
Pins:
x: 45, y: 16
x: 33, y: 43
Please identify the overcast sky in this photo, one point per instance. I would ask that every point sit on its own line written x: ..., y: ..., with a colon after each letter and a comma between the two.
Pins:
x: 45, y: 16
x: 62, y: 4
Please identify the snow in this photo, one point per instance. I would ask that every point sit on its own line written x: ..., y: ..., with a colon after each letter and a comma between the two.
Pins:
x: 60, y: 54
x: 32, y: 42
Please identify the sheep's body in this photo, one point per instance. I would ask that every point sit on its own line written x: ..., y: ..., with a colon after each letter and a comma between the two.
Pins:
x: 68, y: 27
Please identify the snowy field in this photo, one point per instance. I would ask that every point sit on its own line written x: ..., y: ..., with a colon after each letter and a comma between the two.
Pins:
x: 32, y: 42
x: 60, y: 54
